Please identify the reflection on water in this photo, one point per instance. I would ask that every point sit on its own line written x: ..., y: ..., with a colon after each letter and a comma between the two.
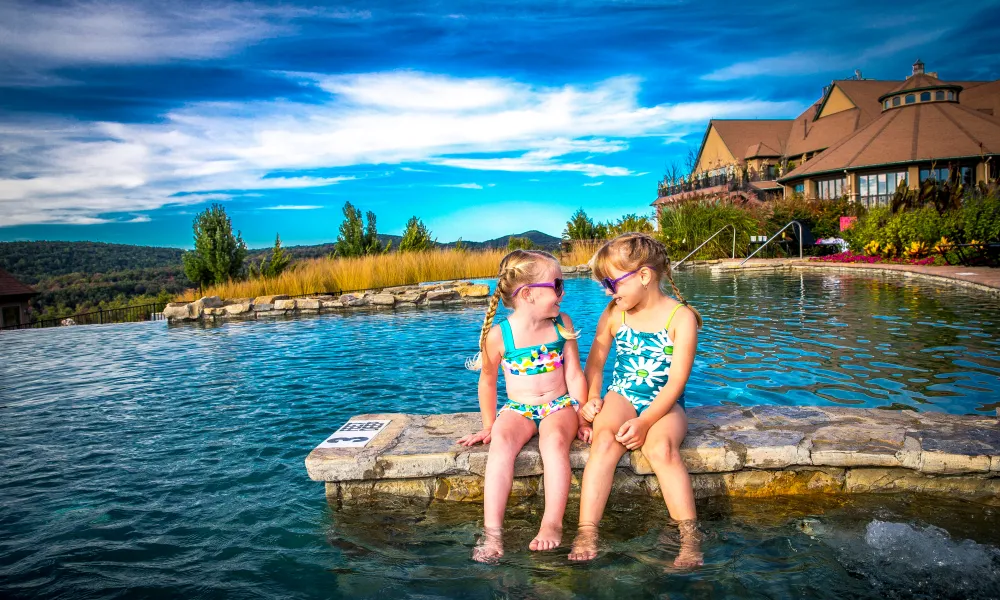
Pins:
x: 147, y: 460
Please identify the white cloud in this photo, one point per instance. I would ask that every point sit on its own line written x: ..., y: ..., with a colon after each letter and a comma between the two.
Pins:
x: 594, y: 184
x: 70, y: 171
x: 292, y: 207
x: 139, y: 219
x: 467, y: 186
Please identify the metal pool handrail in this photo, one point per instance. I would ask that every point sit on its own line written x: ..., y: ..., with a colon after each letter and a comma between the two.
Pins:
x: 678, y: 265
x: 796, y: 223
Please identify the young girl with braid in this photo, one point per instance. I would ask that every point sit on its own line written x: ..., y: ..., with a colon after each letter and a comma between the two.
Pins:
x: 655, y: 338
x: 537, y: 350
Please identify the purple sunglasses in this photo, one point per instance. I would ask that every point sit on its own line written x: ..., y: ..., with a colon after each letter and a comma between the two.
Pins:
x: 556, y: 285
x: 612, y: 284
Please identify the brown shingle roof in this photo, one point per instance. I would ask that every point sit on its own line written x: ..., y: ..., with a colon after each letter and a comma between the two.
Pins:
x: 740, y: 134
x: 12, y: 287
x: 934, y: 131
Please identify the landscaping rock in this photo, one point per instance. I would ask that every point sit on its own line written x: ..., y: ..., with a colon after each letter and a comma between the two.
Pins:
x: 269, y: 299
x: 307, y: 304
x: 257, y: 307
x: 584, y: 268
x: 442, y: 295
x: 238, y: 309
x: 412, y: 296
x: 331, y: 304
x: 352, y: 300
x: 178, y: 311
x: 567, y: 269
x: 474, y: 291
x: 383, y: 300
x: 288, y: 304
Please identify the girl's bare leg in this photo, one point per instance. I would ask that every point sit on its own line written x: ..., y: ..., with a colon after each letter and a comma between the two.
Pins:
x: 555, y: 434
x: 510, y: 433
x: 662, y: 450
x: 599, y: 474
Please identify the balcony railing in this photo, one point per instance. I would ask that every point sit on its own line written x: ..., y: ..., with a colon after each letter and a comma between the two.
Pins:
x: 732, y: 181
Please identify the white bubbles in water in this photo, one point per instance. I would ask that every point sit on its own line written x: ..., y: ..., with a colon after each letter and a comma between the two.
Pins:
x: 905, y: 560
x: 927, y: 548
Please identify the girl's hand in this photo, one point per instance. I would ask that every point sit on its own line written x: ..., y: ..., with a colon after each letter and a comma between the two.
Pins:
x: 585, y: 432
x: 472, y: 439
x: 632, y: 433
x: 591, y: 408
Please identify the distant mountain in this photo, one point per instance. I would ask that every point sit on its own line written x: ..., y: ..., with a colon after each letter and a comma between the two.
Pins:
x: 30, y: 262
x: 539, y: 239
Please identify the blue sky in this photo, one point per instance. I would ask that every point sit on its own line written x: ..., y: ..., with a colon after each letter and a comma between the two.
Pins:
x: 121, y: 120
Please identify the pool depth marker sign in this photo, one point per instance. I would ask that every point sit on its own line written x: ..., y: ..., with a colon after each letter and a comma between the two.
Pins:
x: 354, y: 434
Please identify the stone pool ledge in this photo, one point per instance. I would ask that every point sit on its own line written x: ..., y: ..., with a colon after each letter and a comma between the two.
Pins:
x: 757, y: 451
x: 421, y: 295
x: 213, y: 308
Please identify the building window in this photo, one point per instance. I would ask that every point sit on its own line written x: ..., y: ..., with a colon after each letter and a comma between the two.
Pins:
x: 895, y: 101
x: 876, y: 189
x: 886, y: 104
x: 910, y: 98
x: 925, y: 97
x: 951, y: 95
x: 937, y: 174
x: 829, y: 189
x: 939, y: 95
x: 10, y: 316
x: 800, y: 188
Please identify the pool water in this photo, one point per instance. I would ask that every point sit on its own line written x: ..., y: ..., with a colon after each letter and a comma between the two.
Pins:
x: 147, y: 460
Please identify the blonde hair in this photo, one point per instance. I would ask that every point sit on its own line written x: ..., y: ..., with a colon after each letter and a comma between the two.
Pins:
x: 518, y: 268
x: 631, y: 252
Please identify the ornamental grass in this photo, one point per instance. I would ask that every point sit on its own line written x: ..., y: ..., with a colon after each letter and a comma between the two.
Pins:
x: 363, y: 273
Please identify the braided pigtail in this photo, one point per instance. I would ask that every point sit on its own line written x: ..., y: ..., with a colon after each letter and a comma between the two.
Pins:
x: 677, y: 294
x: 567, y: 333
x: 475, y: 363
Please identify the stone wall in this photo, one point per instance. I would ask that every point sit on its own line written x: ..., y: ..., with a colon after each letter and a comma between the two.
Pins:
x: 738, y: 451
x: 423, y: 295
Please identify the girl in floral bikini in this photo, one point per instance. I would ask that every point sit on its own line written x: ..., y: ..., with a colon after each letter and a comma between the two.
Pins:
x: 536, y: 348
x: 655, y: 338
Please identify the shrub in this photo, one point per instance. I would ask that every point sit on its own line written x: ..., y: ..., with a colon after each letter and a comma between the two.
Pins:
x: 685, y: 225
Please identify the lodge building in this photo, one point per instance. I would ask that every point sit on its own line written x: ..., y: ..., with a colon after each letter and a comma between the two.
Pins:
x: 861, y: 140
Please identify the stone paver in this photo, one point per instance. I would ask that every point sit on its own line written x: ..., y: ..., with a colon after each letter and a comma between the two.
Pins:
x: 751, y: 451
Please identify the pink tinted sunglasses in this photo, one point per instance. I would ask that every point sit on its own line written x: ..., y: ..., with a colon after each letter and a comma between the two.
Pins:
x: 557, y: 286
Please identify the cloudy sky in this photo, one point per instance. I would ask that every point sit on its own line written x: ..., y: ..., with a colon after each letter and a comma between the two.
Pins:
x: 121, y: 120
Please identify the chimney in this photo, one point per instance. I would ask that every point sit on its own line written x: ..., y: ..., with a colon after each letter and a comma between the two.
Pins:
x: 932, y: 74
x: 918, y: 68
x: 857, y: 74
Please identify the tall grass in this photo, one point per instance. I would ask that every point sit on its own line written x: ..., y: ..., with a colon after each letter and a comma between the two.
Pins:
x: 363, y: 273
x: 580, y: 252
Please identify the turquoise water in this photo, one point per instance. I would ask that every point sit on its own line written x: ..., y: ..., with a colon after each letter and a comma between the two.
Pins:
x: 147, y: 460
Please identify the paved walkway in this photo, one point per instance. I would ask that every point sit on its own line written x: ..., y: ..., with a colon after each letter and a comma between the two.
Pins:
x: 985, y: 278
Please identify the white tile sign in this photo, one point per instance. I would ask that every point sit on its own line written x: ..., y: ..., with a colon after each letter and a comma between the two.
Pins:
x: 354, y: 434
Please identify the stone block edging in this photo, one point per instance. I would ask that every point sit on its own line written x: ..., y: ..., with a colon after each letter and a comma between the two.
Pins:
x: 755, y: 451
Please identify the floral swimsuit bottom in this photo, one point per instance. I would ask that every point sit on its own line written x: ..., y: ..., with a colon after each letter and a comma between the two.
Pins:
x: 642, y: 364
x: 534, y: 360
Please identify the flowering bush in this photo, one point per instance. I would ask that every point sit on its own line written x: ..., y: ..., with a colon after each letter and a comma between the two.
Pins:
x: 850, y: 257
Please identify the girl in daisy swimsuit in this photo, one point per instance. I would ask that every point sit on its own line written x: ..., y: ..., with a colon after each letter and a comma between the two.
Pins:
x: 655, y: 337
x: 537, y: 350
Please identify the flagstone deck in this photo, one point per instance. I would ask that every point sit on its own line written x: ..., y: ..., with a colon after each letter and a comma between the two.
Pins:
x: 738, y: 451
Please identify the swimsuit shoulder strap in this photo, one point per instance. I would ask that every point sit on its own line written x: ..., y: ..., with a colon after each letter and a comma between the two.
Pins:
x: 671, y: 317
x: 623, y: 317
x: 508, y: 336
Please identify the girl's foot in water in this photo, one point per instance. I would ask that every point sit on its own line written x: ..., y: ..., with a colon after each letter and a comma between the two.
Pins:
x: 585, y: 544
x: 549, y: 537
x: 690, y: 554
x: 490, y: 547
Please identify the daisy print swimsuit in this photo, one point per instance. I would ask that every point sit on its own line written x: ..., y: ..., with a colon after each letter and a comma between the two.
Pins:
x: 642, y: 364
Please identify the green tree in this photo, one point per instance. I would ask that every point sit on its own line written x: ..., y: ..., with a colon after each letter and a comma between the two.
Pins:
x: 519, y: 243
x: 218, y: 255
x: 416, y: 237
x: 630, y: 223
x: 581, y: 227
x: 460, y: 246
x: 276, y: 265
x: 355, y: 238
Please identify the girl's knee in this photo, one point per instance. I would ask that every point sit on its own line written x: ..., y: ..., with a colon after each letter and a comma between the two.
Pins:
x: 663, y: 453
x: 604, y: 442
